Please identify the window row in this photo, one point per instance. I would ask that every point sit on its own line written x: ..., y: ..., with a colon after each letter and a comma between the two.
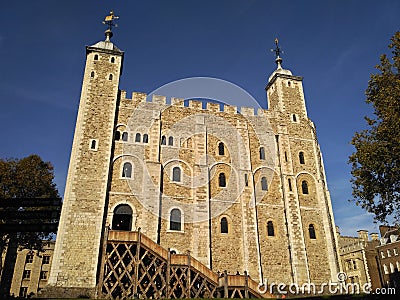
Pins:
x: 112, y: 59
x: 110, y: 76
x: 27, y: 274
x: 123, y: 136
x: 391, y: 269
x: 389, y: 253
x: 45, y: 259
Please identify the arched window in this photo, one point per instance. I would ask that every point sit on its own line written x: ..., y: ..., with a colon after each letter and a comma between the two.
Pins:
x: 221, y: 149
x: 304, y: 187
x: 176, y: 174
x: 92, y: 74
x: 122, y: 219
x: 127, y: 170
x: 163, y: 140
x: 93, y: 144
x: 294, y: 118
x: 110, y: 77
x: 117, y: 135
x: 96, y: 57
x: 170, y: 141
x: 262, y: 153
x: 222, y: 180
x: 125, y: 136
x: 145, y: 138
x: 112, y: 59
x: 385, y: 269
x: 264, y: 184
x: 391, y: 268
x: 301, y: 158
x: 224, y: 225
x: 270, y: 228
x: 311, y: 231
x: 137, y: 137
x: 175, y: 220
x: 290, y: 184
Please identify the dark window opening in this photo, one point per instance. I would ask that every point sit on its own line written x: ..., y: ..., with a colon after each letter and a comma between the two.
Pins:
x: 43, y: 275
x: 122, y: 219
x: 26, y: 274
x: 222, y: 180
x: 311, y: 231
x: 176, y: 174
x: 262, y: 153
x: 246, y: 179
x: 163, y: 140
x: 304, y: 187
x: 145, y: 138
x: 96, y: 57
x: 290, y: 184
x: 224, y: 225
x: 23, y: 291
x: 221, y: 149
x: 294, y: 118
x: 29, y: 259
x: 285, y: 156
x: 137, y: 137
x: 270, y: 228
x: 175, y: 220
x: 112, y: 59
x: 170, y: 141
x: 46, y: 259
x: 127, y: 170
x: 301, y: 158
x: 92, y: 74
x: 264, y: 184
x: 125, y: 136
x: 117, y: 135
x: 110, y: 77
x: 93, y: 144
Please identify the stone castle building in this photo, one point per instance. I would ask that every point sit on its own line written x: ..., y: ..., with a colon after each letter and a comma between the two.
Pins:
x: 242, y: 191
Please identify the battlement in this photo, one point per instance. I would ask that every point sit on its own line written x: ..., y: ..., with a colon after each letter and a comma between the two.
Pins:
x: 205, y: 105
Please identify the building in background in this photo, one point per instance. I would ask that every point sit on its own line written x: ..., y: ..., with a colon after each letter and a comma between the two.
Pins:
x: 389, y: 258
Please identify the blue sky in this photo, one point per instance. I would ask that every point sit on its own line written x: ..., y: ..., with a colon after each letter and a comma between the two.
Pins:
x: 334, y: 45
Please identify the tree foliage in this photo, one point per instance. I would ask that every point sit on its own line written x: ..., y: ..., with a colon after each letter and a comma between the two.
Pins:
x: 29, y: 177
x: 376, y: 161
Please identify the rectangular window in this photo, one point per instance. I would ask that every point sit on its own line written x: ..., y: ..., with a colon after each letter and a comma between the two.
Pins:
x: 23, y: 291
x: 246, y: 179
x: 43, y: 275
x: 46, y: 259
x: 29, y: 259
x: 26, y: 274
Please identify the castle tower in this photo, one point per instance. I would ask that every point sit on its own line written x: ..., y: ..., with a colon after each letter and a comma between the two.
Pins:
x: 308, y: 211
x: 74, y: 268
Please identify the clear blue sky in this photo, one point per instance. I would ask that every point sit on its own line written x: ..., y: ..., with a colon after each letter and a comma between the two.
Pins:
x: 334, y: 45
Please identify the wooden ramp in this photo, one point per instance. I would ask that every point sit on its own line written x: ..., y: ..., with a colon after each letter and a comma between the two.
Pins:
x: 133, y: 266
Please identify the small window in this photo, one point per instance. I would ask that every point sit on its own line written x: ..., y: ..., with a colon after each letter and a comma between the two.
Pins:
x: 391, y: 268
x: 304, y: 187
x: 270, y: 228
x: 388, y: 253
x: 221, y: 149
x: 288, y: 83
x: 246, y: 179
x: 93, y: 145
x: 170, y: 141
x: 262, y: 153
x: 224, y: 225
x: 145, y: 138
x: 264, y: 184
x: 222, y: 180
x: 175, y: 220
x: 96, y: 57
x: 43, y: 275
x: 117, y: 135
x: 395, y: 253
x: 46, y: 259
x: 311, y: 231
x: 294, y: 118
x: 127, y: 170
x: 122, y: 218
x: 113, y: 59
x: 176, y: 174
x: 354, y: 265
x: 110, y: 77
x: 382, y: 254
x: 137, y: 137
x: 301, y: 158
x: 290, y: 185
x: 125, y: 136
x: 385, y: 269
x: 29, y: 259
x: 23, y: 291
x: 92, y: 74
x: 163, y: 140
x: 26, y: 274
x: 285, y: 156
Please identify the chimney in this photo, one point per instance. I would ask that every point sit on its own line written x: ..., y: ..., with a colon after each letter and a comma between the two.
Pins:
x: 374, y: 236
x: 363, y: 235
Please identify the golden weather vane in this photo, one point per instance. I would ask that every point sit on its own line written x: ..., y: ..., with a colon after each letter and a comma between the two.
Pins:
x: 109, y: 21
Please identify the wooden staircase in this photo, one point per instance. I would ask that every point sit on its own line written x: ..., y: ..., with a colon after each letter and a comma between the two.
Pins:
x: 133, y: 266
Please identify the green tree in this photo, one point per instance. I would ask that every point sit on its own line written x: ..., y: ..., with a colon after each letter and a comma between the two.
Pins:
x: 29, y: 177
x: 376, y: 161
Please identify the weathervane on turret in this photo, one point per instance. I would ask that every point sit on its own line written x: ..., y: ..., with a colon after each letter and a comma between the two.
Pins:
x: 109, y: 21
x: 277, y: 51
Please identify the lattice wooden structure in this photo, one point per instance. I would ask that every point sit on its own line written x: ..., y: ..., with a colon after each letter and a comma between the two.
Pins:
x: 133, y: 266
